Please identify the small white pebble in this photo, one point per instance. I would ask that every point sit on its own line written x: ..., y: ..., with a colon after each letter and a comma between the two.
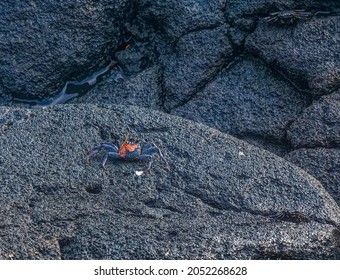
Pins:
x: 240, y: 153
x: 139, y: 173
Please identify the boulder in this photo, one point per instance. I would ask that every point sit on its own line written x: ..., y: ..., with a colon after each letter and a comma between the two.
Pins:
x: 170, y: 79
x: 142, y: 89
x: 46, y: 43
x: 196, y: 59
x: 319, y: 125
x: 221, y: 199
x: 177, y: 18
x: 245, y: 14
x: 323, y: 164
x: 236, y: 102
x: 306, y: 52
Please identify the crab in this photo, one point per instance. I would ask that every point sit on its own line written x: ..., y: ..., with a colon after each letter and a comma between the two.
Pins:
x: 129, y: 150
x: 288, y: 16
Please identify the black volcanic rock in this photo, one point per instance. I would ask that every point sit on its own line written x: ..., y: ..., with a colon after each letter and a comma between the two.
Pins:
x: 195, y: 60
x: 319, y: 125
x: 142, y: 89
x: 246, y: 99
x: 215, y: 62
x: 177, y: 18
x: 46, y: 43
x: 307, y: 52
x: 323, y: 164
x: 221, y: 198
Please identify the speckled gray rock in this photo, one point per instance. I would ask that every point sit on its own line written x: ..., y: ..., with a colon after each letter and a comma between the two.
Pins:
x: 221, y: 198
x: 307, y: 53
x: 323, y: 164
x: 46, y: 43
x: 195, y: 60
x: 178, y: 73
x: 237, y: 103
x: 319, y: 125
x: 142, y: 89
x: 176, y: 18
x: 245, y: 14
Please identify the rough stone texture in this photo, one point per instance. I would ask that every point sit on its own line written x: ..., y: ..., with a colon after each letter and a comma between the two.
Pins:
x: 235, y: 102
x: 43, y: 44
x: 245, y: 14
x: 194, y: 62
x: 176, y: 18
x: 307, y: 53
x: 319, y: 125
x: 222, y: 198
x: 142, y: 89
x: 323, y: 164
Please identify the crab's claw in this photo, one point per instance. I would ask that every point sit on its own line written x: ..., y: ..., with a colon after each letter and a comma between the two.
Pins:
x: 124, y: 143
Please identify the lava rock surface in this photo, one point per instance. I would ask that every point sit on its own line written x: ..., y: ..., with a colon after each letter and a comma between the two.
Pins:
x: 235, y: 102
x: 322, y: 163
x: 44, y: 43
x: 218, y: 63
x: 319, y: 125
x: 307, y: 53
x: 221, y: 198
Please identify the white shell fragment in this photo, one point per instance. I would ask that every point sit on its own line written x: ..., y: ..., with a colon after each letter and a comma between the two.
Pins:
x: 139, y: 173
x: 240, y: 153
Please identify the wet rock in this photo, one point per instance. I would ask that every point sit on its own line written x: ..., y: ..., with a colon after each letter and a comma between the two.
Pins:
x: 319, y: 125
x: 46, y: 43
x: 221, y: 198
x: 323, y: 164
x: 237, y: 103
x: 306, y: 53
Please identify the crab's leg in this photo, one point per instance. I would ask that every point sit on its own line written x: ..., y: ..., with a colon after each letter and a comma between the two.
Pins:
x: 150, y: 148
x: 124, y: 143
x: 304, y: 14
x: 93, y: 152
x: 147, y: 158
x: 116, y: 143
x: 271, y: 18
x: 146, y: 147
x: 109, y: 154
x: 322, y: 13
x: 161, y: 155
x: 108, y: 148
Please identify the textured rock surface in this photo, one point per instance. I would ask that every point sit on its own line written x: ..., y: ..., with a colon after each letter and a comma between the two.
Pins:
x: 318, y: 130
x: 306, y: 53
x: 45, y: 43
x: 323, y: 164
x: 319, y: 125
x: 222, y: 198
x: 235, y: 102
x: 142, y: 89
x: 216, y: 206
x: 196, y: 59
x: 176, y: 18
